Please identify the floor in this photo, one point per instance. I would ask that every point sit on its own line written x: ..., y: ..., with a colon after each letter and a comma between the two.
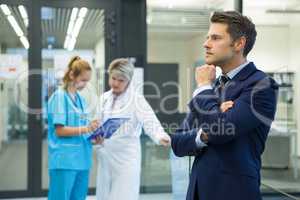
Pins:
x: 155, y: 197
x: 156, y: 167
x: 143, y: 197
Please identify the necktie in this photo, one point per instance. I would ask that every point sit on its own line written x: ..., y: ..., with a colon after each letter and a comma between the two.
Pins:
x: 223, y: 79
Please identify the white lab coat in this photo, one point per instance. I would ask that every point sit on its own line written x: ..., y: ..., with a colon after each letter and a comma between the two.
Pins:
x: 119, y: 158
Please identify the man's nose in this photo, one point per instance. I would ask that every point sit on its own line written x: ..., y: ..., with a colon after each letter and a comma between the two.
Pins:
x: 206, y: 44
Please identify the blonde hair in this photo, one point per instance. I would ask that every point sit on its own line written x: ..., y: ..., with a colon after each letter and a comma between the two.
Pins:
x: 123, y: 67
x: 76, y: 66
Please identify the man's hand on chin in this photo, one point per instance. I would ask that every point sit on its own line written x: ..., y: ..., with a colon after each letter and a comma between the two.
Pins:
x: 205, y: 74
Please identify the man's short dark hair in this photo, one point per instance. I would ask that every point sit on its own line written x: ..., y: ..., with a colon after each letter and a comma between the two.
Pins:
x: 238, y: 26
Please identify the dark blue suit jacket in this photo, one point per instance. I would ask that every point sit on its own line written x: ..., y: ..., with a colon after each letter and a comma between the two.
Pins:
x: 229, y: 167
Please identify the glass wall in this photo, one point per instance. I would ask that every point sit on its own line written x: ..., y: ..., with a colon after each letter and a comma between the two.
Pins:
x: 68, y: 32
x: 276, y: 21
x: 20, y: 136
x: 13, y: 97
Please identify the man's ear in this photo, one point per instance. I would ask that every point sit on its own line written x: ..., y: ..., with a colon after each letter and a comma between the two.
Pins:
x: 240, y: 43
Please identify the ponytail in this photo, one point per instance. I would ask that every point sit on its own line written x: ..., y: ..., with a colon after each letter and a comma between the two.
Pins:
x: 76, y: 66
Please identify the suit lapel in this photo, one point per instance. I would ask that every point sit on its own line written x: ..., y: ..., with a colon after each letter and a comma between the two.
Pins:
x: 245, y: 72
x: 233, y: 85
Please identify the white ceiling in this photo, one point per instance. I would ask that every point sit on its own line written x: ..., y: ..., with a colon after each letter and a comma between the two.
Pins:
x: 188, y: 4
x: 191, y: 16
x: 54, y: 26
x: 273, y: 12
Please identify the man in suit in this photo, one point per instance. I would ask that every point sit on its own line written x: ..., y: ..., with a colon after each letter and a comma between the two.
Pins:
x: 230, y: 117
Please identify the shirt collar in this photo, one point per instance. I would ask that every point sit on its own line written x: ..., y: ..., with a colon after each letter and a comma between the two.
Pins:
x: 235, y: 71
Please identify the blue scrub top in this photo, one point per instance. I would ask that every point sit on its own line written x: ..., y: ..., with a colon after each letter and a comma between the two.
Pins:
x: 73, y: 152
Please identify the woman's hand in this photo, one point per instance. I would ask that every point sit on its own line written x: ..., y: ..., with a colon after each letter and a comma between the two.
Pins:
x: 226, y: 106
x: 98, y: 140
x: 93, y: 125
x: 165, y: 140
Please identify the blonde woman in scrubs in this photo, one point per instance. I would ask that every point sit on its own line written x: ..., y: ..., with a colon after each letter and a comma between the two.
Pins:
x: 69, y: 151
x: 119, y: 157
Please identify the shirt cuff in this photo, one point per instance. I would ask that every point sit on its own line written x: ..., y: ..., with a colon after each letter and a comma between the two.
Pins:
x: 202, y: 88
x: 198, y: 140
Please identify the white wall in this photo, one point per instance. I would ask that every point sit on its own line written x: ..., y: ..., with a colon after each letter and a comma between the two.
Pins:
x: 271, y: 50
x: 277, y: 49
x: 177, y: 49
x: 294, y: 62
x: 166, y: 50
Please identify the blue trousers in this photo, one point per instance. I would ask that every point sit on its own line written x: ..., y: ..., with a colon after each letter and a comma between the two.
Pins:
x: 68, y: 184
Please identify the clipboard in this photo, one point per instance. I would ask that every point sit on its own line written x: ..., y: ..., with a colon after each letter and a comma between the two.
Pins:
x: 108, y: 128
